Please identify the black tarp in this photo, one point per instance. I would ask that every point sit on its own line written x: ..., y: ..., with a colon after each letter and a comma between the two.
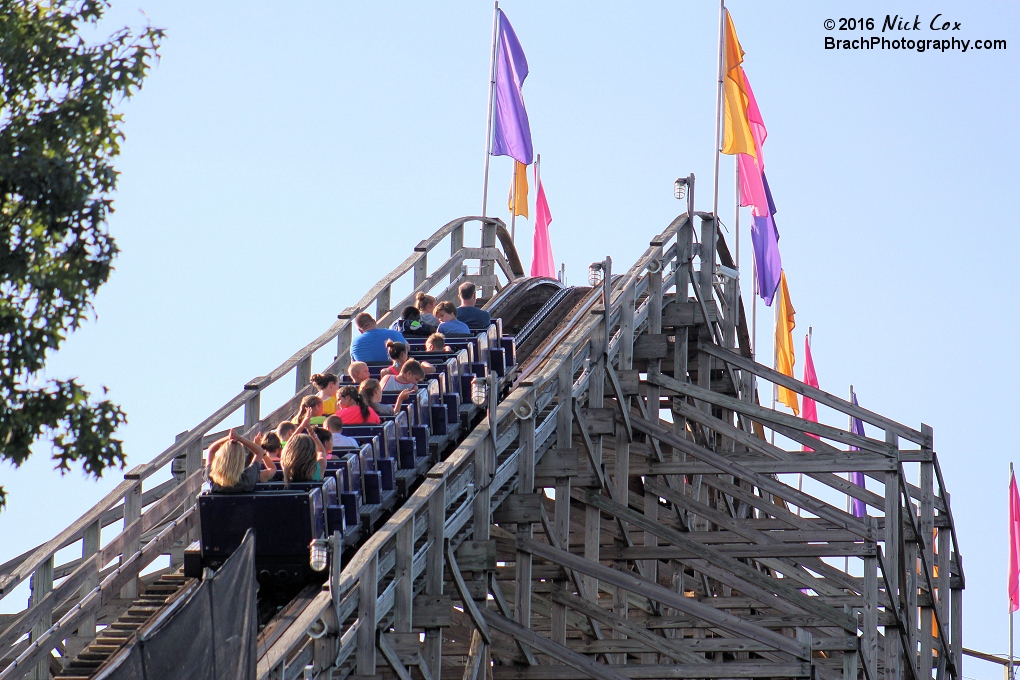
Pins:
x: 211, y: 636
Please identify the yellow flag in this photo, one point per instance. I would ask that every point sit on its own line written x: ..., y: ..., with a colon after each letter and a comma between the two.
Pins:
x: 736, y: 128
x: 785, y: 358
x: 517, y: 201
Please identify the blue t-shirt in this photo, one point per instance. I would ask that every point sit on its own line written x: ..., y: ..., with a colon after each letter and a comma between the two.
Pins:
x: 371, y: 345
x: 476, y: 319
x: 454, y: 327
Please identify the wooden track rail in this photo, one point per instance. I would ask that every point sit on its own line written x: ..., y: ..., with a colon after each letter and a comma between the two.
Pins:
x: 623, y: 514
x: 69, y: 600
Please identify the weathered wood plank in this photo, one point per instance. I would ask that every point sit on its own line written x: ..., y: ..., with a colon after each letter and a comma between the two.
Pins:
x: 666, y: 597
x: 565, y: 655
x: 661, y: 672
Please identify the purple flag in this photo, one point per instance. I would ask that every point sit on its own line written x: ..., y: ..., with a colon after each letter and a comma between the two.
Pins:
x: 513, y: 132
x: 858, y: 507
x: 765, y: 242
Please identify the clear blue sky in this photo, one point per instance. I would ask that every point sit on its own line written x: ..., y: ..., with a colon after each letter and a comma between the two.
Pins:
x: 281, y: 158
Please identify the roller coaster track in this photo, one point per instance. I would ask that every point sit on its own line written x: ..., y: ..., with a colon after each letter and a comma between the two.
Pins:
x: 619, y: 514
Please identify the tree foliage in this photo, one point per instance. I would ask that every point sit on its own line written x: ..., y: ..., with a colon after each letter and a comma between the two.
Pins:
x: 59, y: 133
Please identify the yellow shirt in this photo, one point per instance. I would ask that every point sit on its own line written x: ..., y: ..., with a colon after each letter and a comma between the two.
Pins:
x: 329, y: 406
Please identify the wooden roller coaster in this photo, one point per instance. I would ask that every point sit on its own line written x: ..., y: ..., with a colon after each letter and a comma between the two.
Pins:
x: 618, y: 512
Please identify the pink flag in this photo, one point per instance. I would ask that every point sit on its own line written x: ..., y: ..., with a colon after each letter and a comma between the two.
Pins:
x: 810, y: 378
x: 752, y: 191
x: 542, y: 262
x: 1014, y: 545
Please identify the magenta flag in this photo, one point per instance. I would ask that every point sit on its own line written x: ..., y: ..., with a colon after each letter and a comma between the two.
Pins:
x: 752, y: 190
x: 1014, y: 545
x: 810, y: 408
x: 513, y: 131
x: 542, y: 262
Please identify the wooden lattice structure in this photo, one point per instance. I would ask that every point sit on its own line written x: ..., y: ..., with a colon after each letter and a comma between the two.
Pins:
x: 621, y: 513
x: 627, y: 517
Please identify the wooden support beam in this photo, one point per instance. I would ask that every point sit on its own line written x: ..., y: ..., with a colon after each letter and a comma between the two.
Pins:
x: 664, y: 596
x: 469, y: 604
x: 825, y: 511
x: 765, y: 415
x: 729, y: 570
x: 434, y: 572
x: 504, y: 608
x: 476, y: 656
x: 761, y: 446
x: 716, y: 671
x: 367, y: 594
x: 621, y: 624
x: 847, y: 461
x: 583, y: 664
x: 390, y: 654
x: 745, y: 364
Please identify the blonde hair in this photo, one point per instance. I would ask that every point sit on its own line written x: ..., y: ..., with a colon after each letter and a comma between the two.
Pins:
x: 228, y: 464
x: 298, y: 459
x: 356, y: 367
x: 436, y: 342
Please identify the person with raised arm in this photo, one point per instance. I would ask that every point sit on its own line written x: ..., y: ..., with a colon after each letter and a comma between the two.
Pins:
x: 226, y: 469
x: 304, y: 456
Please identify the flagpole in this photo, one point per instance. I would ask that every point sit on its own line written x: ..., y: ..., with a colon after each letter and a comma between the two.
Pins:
x: 736, y: 210
x: 718, y: 120
x: 775, y: 361
x: 1009, y: 604
x: 754, y: 306
x: 849, y: 477
x: 488, y: 120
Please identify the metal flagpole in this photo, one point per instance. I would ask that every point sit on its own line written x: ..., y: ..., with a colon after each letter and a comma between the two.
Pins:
x: 488, y: 121
x: 1009, y: 605
x: 718, y: 119
x: 775, y: 359
x: 754, y: 304
x: 849, y: 478
x: 736, y: 211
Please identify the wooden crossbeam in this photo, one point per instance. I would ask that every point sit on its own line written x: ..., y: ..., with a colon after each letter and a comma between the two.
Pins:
x: 824, y: 510
x: 728, y: 569
x: 766, y: 415
x: 818, y: 395
x: 777, y: 550
x: 628, y: 628
x: 664, y: 596
x: 763, y: 447
x: 662, y: 672
x: 856, y: 461
x: 585, y: 666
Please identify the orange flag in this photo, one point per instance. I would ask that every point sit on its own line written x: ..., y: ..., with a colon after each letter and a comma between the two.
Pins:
x: 785, y: 358
x: 737, y: 136
x: 517, y: 201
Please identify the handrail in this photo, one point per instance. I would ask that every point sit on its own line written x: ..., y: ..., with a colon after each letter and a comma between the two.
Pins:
x: 25, y: 565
